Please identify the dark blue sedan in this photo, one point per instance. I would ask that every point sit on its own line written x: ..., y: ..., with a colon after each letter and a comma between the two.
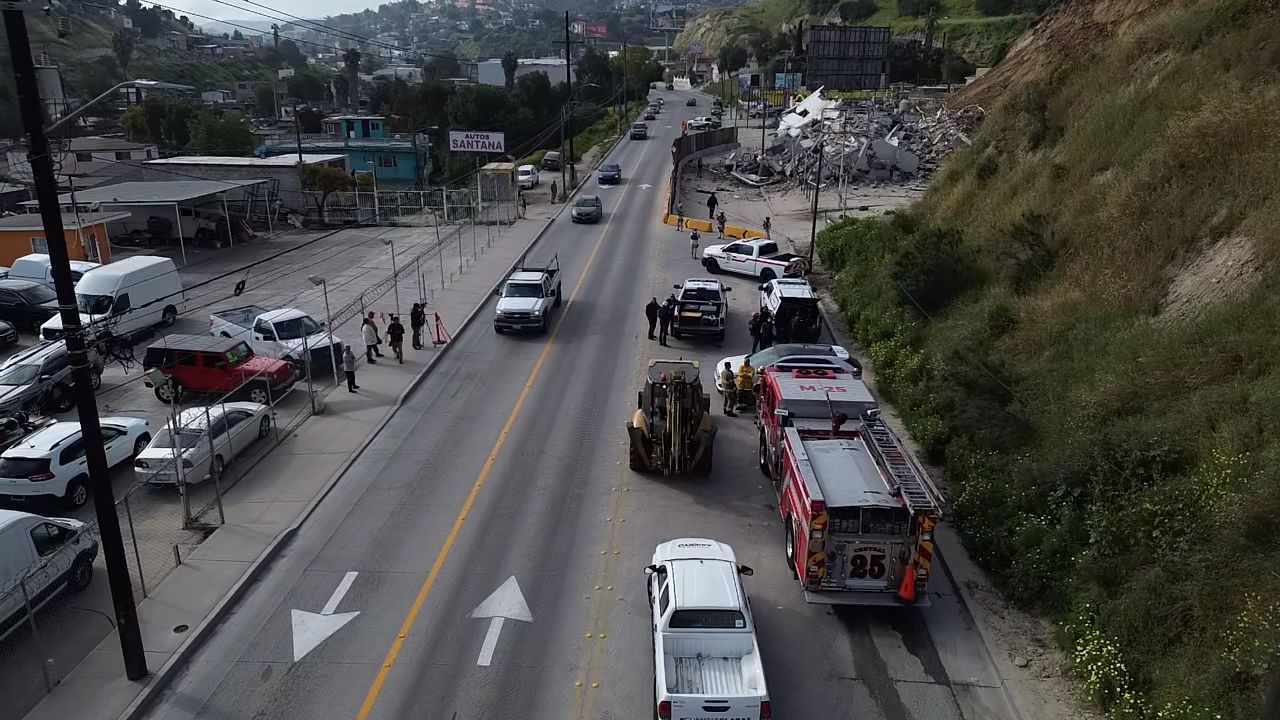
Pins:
x: 610, y: 174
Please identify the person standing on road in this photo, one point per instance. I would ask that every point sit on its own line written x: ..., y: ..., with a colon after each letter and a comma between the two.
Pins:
x: 712, y: 202
x: 395, y: 335
x: 729, y: 381
x: 524, y: 205
x: 417, y: 321
x: 373, y: 322
x: 721, y: 221
x: 349, y: 367
x: 693, y: 244
x: 369, y: 334
x: 679, y: 216
x: 767, y: 225
x: 664, y: 323
x: 766, y: 333
x: 651, y: 313
x: 699, y: 167
x: 754, y: 328
x: 553, y: 192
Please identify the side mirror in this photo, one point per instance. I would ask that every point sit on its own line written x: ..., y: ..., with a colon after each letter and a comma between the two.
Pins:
x: 745, y: 570
x: 497, y: 292
x: 676, y: 286
x: 651, y: 570
x: 762, y: 287
x: 46, y: 378
x: 727, y: 288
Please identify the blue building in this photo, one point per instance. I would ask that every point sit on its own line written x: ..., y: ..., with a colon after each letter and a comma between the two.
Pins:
x: 395, y: 159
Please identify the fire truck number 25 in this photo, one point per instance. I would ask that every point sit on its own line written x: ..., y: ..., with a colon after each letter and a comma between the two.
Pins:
x: 867, y: 563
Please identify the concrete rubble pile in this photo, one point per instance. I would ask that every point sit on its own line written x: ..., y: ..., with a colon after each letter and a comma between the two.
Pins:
x: 869, y: 141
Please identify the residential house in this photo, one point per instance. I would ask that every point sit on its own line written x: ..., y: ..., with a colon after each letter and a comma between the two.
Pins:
x: 394, y: 159
x: 218, y: 97
x: 283, y: 169
x: 85, y: 235
x: 86, y: 161
x: 209, y: 50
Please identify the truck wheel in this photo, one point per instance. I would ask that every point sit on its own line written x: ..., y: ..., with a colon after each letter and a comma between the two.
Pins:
x: 169, y: 391
x: 260, y: 394
x: 77, y: 492
x: 497, y: 329
x: 675, y: 333
x: 95, y: 377
x: 768, y: 274
x: 169, y: 316
x: 80, y: 576
x: 711, y: 265
x: 791, y: 548
x: 61, y: 398
x: 764, y: 456
x: 542, y: 329
x: 559, y: 297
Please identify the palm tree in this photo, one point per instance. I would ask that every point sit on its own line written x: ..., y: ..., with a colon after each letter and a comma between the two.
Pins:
x: 509, y: 67
x: 351, y: 61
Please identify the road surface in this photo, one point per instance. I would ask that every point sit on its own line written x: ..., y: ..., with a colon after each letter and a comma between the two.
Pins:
x: 509, y: 461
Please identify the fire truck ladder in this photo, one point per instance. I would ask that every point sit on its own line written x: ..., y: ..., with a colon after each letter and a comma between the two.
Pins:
x: 920, y: 494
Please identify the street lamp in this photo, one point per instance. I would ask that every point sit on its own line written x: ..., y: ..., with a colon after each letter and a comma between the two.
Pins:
x: 395, y: 274
x: 328, y: 321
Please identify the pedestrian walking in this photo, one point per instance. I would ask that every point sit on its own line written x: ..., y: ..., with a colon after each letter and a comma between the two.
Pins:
x: 767, y: 225
x: 651, y: 314
x: 664, y: 323
x: 373, y: 320
x: 524, y: 205
x: 679, y: 216
x: 553, y: 192
x: 693, y: 244
x: 369, y: 333
x: 349, y: 368
x: 729, y: 381
x: 766, y: 333
x: 699, y: 167
x: 417, y: 321
x: 712, y: 202
x: 395, y: 335
x: 721, y: 221
x: 754, y: 328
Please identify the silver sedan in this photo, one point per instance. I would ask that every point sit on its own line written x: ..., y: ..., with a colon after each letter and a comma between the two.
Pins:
x: 206, y: 440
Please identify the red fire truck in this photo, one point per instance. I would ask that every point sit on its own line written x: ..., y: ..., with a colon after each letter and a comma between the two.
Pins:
x: 858, y: 512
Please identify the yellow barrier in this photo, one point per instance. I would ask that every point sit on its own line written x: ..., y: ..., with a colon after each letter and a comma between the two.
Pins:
x: 730, y: 231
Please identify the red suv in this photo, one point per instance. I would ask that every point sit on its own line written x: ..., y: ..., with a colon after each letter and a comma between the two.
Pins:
x: 215, y: 365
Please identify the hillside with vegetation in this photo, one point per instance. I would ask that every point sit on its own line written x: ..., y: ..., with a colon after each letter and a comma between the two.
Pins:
x: 1078, y: 322
x: 980, y: 31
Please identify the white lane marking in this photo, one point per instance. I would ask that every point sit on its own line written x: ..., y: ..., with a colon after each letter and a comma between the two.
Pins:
x: 310, y: 629
x: 490, y: 642
x: 507, y: 602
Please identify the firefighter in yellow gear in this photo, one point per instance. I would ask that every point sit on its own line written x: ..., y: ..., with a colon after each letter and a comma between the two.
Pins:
x: 746, y: 381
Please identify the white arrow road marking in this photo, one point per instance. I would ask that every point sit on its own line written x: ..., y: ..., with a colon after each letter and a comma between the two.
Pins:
x: 310, y: 629
x: 507, y: 602
x: 645, y: 186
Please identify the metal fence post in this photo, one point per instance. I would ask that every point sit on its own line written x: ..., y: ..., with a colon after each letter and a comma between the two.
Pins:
x: 35, y: 634
x: 133, y: 538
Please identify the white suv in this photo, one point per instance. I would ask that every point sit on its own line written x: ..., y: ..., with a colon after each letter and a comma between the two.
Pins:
x: 50, y: 462
x: 527, y: 177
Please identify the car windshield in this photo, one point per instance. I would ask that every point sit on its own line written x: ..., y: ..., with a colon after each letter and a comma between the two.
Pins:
x: 707, y: 620
x: 774, y: 354
x: 611, y: 168
x: 587, y: 202
x: 522, y: 290
x: 185, y: 438
x: 238, y: 353
x: 697, y: 294
x: 37, y: 294
x: 295, y: 328
x: 19, y: 374
x: 94, y: 304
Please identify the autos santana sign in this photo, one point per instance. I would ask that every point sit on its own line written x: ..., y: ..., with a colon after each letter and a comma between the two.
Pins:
x: 482, y: 142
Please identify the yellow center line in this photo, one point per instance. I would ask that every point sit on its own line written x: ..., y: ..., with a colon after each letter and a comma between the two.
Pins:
x: 397, y: 645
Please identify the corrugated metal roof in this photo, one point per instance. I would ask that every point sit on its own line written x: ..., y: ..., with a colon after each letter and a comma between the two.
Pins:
x: 152, y: 193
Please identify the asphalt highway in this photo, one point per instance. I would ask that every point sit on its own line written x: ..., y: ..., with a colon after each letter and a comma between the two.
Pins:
x: 507, y: 469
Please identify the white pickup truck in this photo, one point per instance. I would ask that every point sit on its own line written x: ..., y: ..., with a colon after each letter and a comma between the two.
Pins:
x: 705, y: 657
x: 527, y: 297
x: 757, y: 258
x: 286, y: 333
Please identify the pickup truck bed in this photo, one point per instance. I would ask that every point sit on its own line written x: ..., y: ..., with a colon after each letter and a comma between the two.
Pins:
x: 712, y: 676
x: 242, y: 316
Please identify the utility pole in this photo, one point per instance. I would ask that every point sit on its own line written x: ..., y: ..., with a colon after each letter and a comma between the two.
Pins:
x: 813, y: 227
x: 568, y: 80
x: 46, y: 186
x: 297, y: 136
x: 625, y: 117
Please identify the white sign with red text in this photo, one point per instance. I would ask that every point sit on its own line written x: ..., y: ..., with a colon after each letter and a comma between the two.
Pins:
x: 481, y: 142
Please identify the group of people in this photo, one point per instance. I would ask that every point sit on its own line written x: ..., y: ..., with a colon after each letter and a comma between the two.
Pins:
x: 372, y: 338
x: 660, y: 316
x: 739, y: 387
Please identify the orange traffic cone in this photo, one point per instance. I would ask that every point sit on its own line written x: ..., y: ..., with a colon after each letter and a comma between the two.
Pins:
x: 907, y: 590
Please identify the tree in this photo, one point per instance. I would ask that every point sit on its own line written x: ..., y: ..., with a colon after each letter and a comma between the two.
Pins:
x: 341, y: 86
x: 919, y: 8
x: 236, y: 35
x: 731, y: 58
x: 444, y: 65
x: 509, y: 66
x: 160, y: 120
x: 213, y: 133
x: 325, y: 180
x: 291, y: 54
x: 266, y: 97
x: 275, y: 37
x: 594, y: 68
x: 310, y: 120
x: 122, y: 46
x: 307, y: 86
x: 854, y: 11
x: 351, y: 61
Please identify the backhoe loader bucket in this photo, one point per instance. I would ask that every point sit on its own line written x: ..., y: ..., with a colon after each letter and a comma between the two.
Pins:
x: 671, y: 430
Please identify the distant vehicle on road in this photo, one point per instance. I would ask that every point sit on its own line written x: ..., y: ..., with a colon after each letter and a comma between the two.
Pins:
x: 587, y: 208
x: 50, y: 462
x: 527, y: 177
x: 639, y: 131
x: 48, y: 555
x: 609, y: 174
x: 551, y: 160
x: 757, y: 258
x: 698, y: 124
x: 127, y: 297
x: 27, y: 303
x: 205, y: 441
x: 286, y: 333
x: 178, y: 364
x: 787, y: 299
x: 527, y: 298
x: 691, y: 102
x: 705, y: 656
x: 650, y: 114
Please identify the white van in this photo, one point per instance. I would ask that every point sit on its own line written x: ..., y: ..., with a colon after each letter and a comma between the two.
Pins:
x: 126, y: 297
x: 45, y: 556
x: 35, y: 267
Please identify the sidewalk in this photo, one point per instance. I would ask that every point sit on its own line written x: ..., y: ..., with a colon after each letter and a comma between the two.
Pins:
x: 264, y: 509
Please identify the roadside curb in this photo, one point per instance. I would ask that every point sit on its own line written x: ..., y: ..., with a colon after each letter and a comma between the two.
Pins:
x: 160, y: 680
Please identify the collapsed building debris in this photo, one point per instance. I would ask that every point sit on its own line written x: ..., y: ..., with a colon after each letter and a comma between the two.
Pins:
x: 865, y: 141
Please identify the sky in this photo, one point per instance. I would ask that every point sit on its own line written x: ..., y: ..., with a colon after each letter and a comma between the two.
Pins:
x: 317, y: 9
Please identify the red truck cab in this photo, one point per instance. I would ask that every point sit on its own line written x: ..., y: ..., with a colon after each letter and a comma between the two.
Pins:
x: 217, y: 366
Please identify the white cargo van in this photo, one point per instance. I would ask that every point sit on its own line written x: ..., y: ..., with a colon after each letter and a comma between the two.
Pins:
x: 45, y: 555
x: 35, y: 267
x: 126, y: 297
